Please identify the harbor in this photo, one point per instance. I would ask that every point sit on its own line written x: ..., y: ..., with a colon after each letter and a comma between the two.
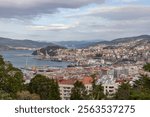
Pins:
x: 23, y: 58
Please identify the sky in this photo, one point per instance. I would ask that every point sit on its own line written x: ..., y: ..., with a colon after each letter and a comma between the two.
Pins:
x: 67, y: 20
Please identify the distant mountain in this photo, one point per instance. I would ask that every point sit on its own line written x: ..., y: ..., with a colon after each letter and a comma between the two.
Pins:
x: 128, y: 39
x: 124, y: 40
x: 6, y: 43
x: 84, y: 44
x: 75, y: 44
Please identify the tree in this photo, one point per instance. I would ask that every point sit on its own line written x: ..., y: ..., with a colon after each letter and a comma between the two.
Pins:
x: 78, y: 92
x: 12, y: 83
x: 124, y: 92
x: 146, y: 67
x: 48, y: 89
x: 4, y: 95
x: 26, y: 95
x: 97, y: 92
x: 1, y: 60
x: 11, y: 78
x: 141, y: 88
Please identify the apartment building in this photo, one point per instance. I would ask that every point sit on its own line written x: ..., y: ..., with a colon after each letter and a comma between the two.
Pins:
x: 66, y: 85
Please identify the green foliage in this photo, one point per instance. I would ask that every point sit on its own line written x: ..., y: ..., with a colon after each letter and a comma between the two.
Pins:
x: 11, y: 79
x: 141, y: 88
x: 26, y: 95
x: 124, y: 92
x: 1, y: 60
x: 4, y: 95
x: 146, y: 67
x: 97, y: 92
x: 138, y: 95
x: 78, y: 92
x: 48, y: 89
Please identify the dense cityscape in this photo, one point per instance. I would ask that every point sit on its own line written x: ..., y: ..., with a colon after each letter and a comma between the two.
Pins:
x: 112, y: 66
x: 97, y: 72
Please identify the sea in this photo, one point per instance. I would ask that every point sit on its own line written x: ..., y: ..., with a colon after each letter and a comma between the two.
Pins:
x: 22, y: 58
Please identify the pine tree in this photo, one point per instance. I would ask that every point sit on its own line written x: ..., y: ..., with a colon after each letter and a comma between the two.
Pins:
x: 97, y: 92
x: 47, y: 88
x: 124, y: 92
x: 11, y: 78
x: 78, y: 92
x: 141, y: 88
x: 146, y: 67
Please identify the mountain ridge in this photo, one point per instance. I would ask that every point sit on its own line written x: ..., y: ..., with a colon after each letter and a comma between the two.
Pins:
x: 7, y: 43
x: 125, y: 39
x: 85, y: 44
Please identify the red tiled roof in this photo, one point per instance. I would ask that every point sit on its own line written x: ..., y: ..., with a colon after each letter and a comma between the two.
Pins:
x: 67, y: 82
x: 87, y: 80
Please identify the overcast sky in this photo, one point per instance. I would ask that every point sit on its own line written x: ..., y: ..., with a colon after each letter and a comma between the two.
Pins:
x: 57, y: 20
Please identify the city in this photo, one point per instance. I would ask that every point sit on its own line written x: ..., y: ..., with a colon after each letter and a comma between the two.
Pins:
x: 111, y: 66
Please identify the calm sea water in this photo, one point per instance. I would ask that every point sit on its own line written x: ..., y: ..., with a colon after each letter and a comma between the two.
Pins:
x: 19, y: 61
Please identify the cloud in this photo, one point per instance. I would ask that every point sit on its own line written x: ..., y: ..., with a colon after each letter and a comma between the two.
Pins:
x: 92, y: 22
x: 122, y: 13
x: 127, y: 12
x: 110, y: 22
x: 126, y: 1
x: 53, y: 27
x: 104, y: 22
x: 21, y: 8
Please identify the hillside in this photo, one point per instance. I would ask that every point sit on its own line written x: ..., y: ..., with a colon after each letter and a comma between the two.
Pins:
x: 124, y: 40
x: 50, y: 50
x: 75, y: 44
x: 6, y: 43
x: 85, y: 44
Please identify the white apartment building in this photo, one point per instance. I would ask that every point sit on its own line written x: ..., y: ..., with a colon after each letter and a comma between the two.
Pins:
x: 65, y: 91
x: 65, y: 86
x: 110, y: 88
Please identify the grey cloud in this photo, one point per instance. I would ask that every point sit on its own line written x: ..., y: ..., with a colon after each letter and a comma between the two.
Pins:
x: 25, y: 8
x: 114, y: 29
x: 123, y: 13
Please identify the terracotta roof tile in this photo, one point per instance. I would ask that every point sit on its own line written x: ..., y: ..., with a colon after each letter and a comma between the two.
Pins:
x: 87, y: 80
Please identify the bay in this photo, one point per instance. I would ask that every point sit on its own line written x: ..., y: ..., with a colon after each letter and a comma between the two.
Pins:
x: 21, y: 58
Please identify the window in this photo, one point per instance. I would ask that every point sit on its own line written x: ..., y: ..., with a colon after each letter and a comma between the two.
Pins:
x: 111, y: 87
x: 110, y: 91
